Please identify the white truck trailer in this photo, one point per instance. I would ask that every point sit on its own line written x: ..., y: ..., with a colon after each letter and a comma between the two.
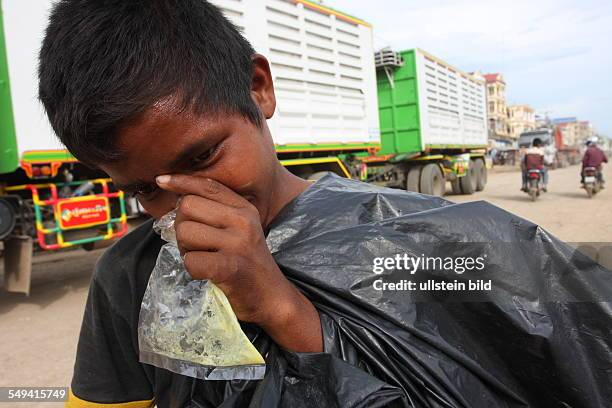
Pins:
x: 324, y: 79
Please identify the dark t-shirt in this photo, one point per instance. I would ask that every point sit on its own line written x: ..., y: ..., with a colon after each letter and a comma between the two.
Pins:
x: 108, y: 370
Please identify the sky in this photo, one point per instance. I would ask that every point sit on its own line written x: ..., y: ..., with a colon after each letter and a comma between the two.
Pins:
x: 555, y: 55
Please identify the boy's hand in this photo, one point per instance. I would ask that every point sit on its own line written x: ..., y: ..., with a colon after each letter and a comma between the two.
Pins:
x: 222, y: 239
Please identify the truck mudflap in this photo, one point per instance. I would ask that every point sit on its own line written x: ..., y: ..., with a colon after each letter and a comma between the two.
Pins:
x: 18, y: 264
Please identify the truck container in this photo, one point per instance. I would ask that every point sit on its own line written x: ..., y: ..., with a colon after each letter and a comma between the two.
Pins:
x: 324, y: 80
x: 433, y: 122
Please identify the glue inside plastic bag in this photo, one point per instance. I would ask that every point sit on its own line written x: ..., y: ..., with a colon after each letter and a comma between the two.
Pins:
x: 187, y: 326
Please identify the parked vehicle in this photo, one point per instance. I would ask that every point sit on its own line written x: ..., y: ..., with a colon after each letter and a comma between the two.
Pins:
x: 433, y: 125
x: 324, y: 80
x: 331, y: 95
x: 46, y: 196
x: 592, y: 181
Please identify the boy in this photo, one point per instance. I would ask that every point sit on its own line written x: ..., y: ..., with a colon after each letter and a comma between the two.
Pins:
x: 169, y: 100
x: 169, y: 87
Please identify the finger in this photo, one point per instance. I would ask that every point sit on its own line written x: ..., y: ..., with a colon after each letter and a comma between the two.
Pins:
x: 215, y: 266
x: 194, y: 236
x: 200, y: 209
x: 203, y: 187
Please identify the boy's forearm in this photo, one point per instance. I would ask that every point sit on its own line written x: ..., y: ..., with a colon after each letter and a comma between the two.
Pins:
x: 295, y: 324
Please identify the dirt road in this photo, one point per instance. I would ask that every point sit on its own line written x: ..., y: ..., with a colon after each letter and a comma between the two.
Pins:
x: 564, y: 210
x: 38, y: 334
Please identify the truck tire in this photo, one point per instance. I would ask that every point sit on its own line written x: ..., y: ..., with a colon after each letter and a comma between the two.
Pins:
x: 432, y: 180
x: 7, y: 218
x: 413, y: 179
x: 481, y: 174
x: 468, y: 182
x: 456, y: 186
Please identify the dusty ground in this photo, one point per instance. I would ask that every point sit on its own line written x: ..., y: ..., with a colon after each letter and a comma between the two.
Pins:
x: 38, y: 334
x: 564, y: 211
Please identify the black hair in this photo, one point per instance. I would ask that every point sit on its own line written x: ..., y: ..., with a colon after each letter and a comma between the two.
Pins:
x: 104, y: 62
x: 537, y: 142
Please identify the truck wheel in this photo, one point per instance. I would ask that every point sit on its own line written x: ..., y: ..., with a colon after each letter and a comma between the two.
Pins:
x: 481, y: 174
x: 7, y: 218
x: 468, y: 182
x: 413, y: 179
x: 456, y: 186
x: 432, y: 180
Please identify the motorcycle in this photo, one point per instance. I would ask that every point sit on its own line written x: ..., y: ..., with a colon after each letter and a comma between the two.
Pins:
x: 534, y: 183
x: 592, y: 181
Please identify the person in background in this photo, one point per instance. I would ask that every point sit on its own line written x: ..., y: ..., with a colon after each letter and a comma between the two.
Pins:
x: 593, y: 157
x: 550, y: 152
x: 533, y: 158
x: 493, y: 155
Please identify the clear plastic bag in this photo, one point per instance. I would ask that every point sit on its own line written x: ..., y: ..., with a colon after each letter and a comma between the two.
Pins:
x: 187, y: 326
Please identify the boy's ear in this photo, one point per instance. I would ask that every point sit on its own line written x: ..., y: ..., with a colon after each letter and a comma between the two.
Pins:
x: 262, y: 87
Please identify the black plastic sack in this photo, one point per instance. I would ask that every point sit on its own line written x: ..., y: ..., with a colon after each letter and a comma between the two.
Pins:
x: 541, y: 337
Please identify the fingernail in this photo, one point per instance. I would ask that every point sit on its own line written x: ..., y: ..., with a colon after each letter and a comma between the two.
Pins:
x: 164, y: 179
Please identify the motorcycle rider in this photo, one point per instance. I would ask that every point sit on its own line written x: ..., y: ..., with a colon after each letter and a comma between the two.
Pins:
x: 593, y: 157
x: 533, y: 158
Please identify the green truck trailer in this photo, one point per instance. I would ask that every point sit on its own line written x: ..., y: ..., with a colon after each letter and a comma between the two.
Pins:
x: 433, y: 125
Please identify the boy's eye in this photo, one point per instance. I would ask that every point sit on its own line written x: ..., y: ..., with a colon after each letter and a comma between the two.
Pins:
x: 203, y: 158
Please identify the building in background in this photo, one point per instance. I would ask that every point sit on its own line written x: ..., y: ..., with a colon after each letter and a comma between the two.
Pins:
x: 574, y: 131
x: 569, y: 119
x: 521, y: 118
x: 497, y: 109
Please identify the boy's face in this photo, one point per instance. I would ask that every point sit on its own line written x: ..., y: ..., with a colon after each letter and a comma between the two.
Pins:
x: 228, y: 149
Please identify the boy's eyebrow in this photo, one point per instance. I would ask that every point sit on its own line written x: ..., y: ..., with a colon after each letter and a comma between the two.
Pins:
x: 191, y: 149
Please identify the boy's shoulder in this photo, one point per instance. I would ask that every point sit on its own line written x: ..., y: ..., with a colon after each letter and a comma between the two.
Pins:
x: 335, y: 202
x: 122, y: 272
x: 334, y: 195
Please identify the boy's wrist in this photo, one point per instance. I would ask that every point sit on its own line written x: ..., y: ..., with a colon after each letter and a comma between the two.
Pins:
x: 293, y: 322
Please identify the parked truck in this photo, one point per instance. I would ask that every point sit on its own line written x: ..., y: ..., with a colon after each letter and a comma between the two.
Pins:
x: 46, y: 196
x: 433, y: 121
x: 324, y: 80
